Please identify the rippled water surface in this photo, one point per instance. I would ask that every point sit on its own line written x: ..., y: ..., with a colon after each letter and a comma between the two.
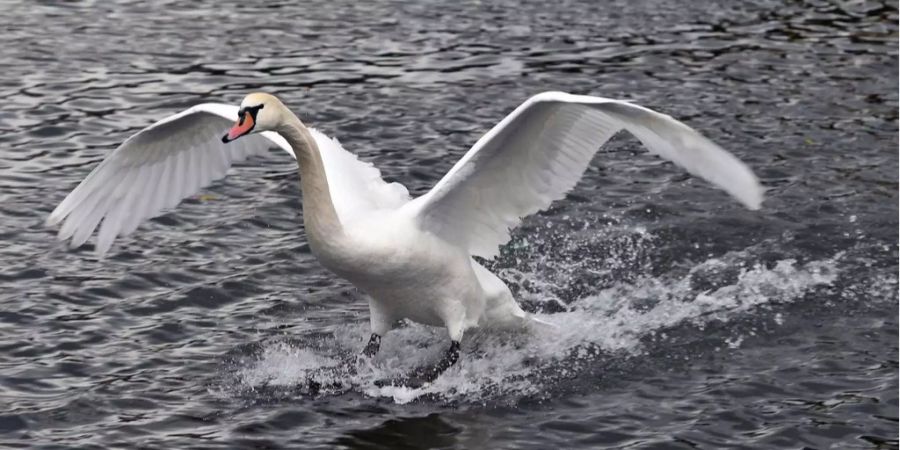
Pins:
x: 685, y: 320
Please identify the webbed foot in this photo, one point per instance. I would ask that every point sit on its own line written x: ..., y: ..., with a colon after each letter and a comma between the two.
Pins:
x: 373, y: 346
x: 424, y: 375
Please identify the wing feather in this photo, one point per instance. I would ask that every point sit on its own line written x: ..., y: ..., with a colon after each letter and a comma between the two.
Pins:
x: 539, y: 152
x: 356, y: 186
x: 155, y: 169
x: 152, y: 171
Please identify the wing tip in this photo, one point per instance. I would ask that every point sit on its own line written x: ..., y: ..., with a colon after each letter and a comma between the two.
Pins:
x: 101, y: 251
x: 751, y: 196
x: 59, y: 213
x: 53, y: 219
x: 753, y: 204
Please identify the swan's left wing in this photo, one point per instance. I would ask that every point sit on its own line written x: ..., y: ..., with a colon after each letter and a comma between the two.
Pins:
x: 540, y: 151
x: 154, y: 170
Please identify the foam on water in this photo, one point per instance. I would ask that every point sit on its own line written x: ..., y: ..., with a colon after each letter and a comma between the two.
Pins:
x: 612, y: 322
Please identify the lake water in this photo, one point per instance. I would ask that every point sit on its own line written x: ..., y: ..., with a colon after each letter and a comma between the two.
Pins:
x: 686, y: 320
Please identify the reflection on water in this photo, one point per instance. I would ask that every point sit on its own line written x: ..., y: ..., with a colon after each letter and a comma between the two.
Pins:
x: 426, y: 432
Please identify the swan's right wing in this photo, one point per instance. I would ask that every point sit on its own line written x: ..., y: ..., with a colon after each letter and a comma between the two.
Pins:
x: 540, y: 151
x: 154, y: 170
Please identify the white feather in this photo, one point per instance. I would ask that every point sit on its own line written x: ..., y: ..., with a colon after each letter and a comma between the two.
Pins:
x: 356, y: 187
x: 539, y: 152
x: 172, y: 159
x: 413, y: 257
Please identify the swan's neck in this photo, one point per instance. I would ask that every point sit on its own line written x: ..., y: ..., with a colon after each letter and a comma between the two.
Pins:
x: 323, y: 228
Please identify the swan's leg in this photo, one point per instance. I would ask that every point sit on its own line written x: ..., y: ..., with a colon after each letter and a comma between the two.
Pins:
x: 429, y: 374
x: 454, y: 320
x: 373, y: 346
x: 380, y: 323
x: 423, y: 375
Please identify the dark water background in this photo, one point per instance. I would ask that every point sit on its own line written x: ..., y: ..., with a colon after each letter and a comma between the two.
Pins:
x: 688, y: 322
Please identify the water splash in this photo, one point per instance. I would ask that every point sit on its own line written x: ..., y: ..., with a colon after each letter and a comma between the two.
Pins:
x: 612, y: 321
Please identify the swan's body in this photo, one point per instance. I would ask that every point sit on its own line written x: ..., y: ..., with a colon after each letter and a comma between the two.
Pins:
x: 413, y: 274
x: 413, y: 257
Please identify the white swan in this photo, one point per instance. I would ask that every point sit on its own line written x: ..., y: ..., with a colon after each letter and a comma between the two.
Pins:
x: 412, y: 257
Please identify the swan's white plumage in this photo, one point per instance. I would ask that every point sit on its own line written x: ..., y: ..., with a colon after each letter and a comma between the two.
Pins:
x: 172, y: 159
x: 414, y: 258
x: 540, y: 151
x: 356, y: 186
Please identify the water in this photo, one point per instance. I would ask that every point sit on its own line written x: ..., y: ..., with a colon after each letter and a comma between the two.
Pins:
x: 685, y: 320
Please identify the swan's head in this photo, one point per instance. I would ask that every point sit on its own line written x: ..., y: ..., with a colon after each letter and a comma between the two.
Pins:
x: 258, y: 112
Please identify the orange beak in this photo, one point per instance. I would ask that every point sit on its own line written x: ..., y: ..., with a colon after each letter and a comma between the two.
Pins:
x: 243, y: 126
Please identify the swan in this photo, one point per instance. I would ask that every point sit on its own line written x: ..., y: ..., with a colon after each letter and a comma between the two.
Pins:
x: 412, y: 257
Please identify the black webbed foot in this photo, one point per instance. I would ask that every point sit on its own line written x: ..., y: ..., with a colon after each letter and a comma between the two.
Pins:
x: 372, y: 347
x: 424, y: 375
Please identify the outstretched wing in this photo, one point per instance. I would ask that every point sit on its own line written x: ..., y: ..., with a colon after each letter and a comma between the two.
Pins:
x: 154, y: 170
x: 172, y: 159
x: 540, y: 151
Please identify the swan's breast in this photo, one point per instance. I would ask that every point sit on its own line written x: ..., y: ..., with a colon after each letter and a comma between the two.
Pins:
x: 389, y: 252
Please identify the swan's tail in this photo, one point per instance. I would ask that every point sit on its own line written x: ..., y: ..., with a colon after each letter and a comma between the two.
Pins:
x: 535, y: 323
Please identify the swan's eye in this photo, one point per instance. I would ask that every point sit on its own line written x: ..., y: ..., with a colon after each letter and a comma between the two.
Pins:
x: 253, y: 109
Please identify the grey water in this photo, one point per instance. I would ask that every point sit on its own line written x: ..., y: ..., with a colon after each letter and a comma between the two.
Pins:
x: 685, y: 320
